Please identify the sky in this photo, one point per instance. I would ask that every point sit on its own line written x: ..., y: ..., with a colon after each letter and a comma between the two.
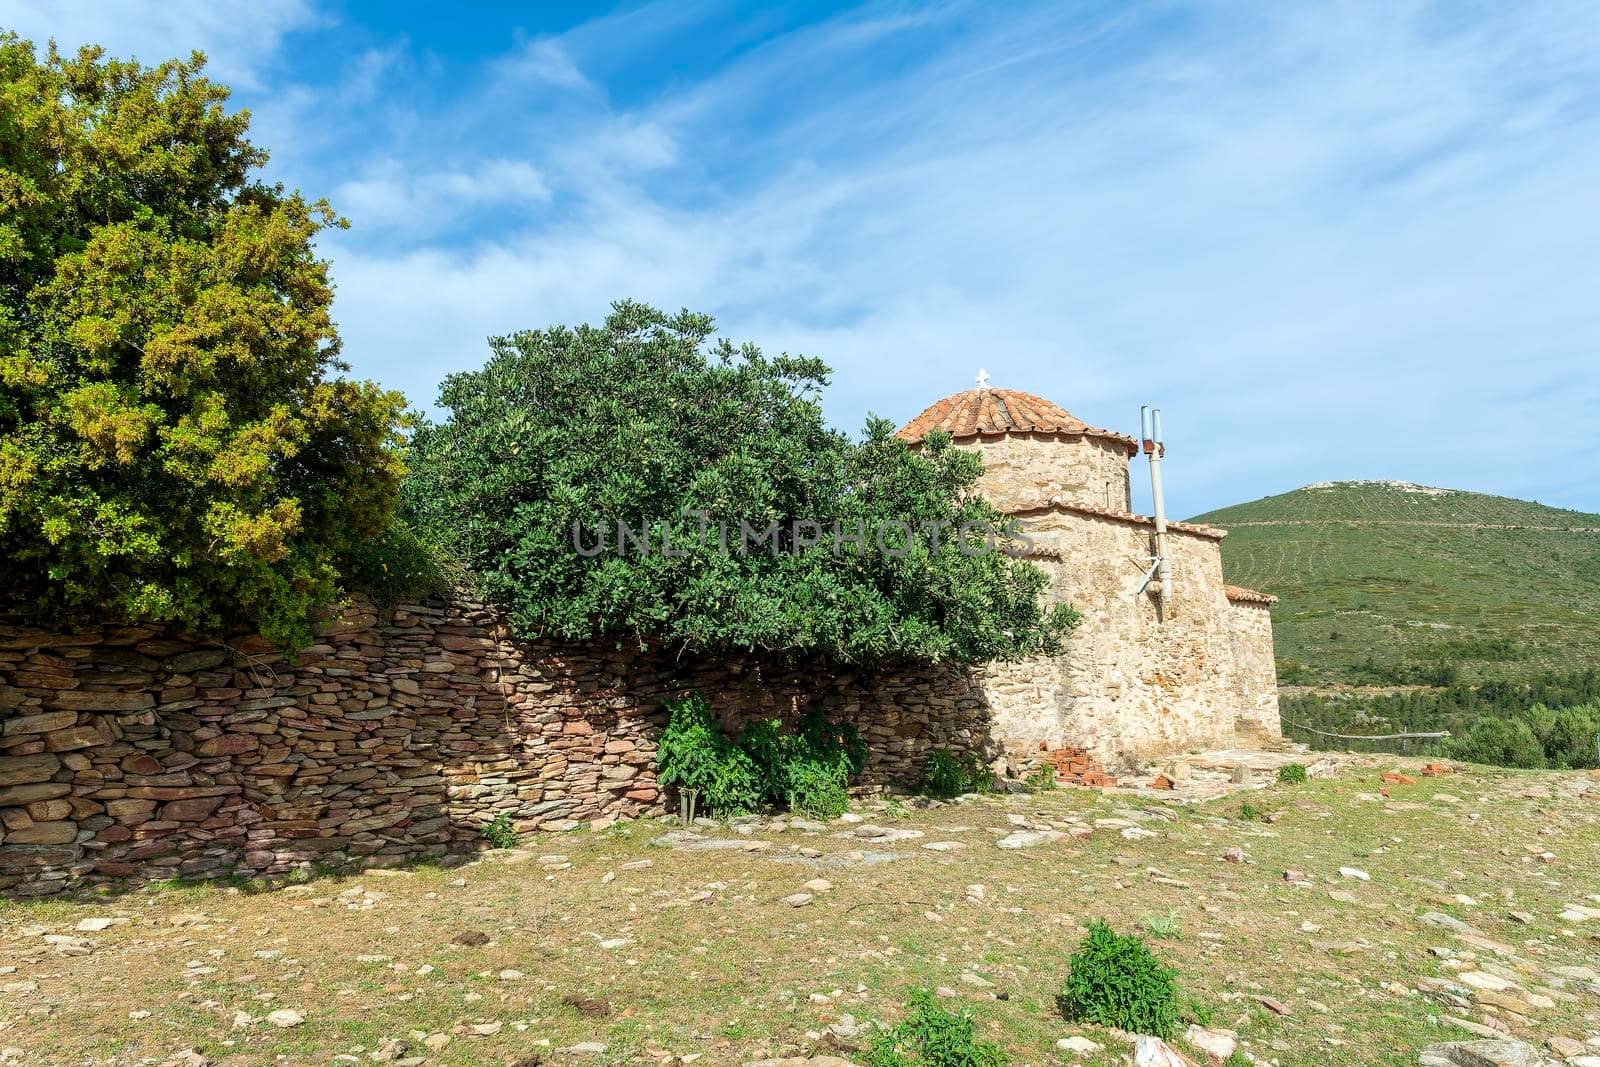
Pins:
x: 1333, y: 241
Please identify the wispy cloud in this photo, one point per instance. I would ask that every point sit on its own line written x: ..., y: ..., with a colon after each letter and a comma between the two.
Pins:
x: 542, y: 60
x: 391, y: 194
x: 1348, y: 241
x: 240, y: 39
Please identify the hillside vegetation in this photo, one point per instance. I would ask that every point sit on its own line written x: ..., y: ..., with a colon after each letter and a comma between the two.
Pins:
x: 1386, y: 583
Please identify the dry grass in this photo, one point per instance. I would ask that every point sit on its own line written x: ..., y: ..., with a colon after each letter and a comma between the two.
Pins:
x: 695, y: 954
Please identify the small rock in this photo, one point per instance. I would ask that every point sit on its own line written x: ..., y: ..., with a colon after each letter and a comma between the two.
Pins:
x: 285, y: 1018
x: 94, y: 926
x: 583, y: 1048
x: 1496, y: 1053
x: 1029, y: 838
x: 797, y: 900
x: 1216, y: 1044
x: 1235, y: 854
x: 1081, y: 1045
x: 1353, y: 872
x: 1274, y: 1006
x: 1446, y: 922
x: 67, y: 945
x: 819, y: 885
x: 1154, y: 1052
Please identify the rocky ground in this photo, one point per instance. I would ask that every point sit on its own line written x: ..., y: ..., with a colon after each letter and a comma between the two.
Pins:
x: 1346, y: 920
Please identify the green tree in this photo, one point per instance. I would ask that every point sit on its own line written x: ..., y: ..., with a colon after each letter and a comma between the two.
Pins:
x: 175, y: 442
x: 692, y: 442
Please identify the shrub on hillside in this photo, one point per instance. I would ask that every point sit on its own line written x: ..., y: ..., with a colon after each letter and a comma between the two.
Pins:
x: 933, y: 1036
x: 1116, y: 981
x: 645, y: 421
x: 1532, y: 737
x: 176, y: 443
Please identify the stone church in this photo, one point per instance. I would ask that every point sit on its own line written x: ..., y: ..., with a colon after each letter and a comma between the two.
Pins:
x: 1143, y: 675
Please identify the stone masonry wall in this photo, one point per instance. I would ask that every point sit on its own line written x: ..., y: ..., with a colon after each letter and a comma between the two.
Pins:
x: 1138, y: 678
x: 1255, y: 671
x: 126, y: 753
x: 1025, y: 470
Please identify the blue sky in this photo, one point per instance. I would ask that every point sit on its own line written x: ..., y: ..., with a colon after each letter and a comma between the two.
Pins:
x: 1332, y: 241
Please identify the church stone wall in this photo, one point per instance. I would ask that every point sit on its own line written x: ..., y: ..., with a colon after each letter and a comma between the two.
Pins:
x: 126, y: 753
x: 1138, y: 678
x: 1026, y: 470
x: 1255, y: 670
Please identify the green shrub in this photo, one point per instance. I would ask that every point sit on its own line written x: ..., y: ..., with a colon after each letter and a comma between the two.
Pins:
x: 1116, y: 981
x: 934, y: 1037
x: 1503, y: 742
x: 1292, y: 774
x: 1571, y: 739
x: 1042, y: 779
x: 499, y: 832
x: 818, y: 790
x: 948, y: 774
x: 807, y: 771
x: 735, y: 787
x: 1249, y: 812
x: 1163, y: 926
x: 696, y: 756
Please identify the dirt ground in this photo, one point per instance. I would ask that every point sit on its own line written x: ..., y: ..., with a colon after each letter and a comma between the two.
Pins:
x: 1473, y: 897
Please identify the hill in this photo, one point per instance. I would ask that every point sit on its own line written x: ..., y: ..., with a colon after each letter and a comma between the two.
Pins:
x: 1384, y: 583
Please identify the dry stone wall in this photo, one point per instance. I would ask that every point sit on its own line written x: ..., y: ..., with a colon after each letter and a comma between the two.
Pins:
x: 126, y: 753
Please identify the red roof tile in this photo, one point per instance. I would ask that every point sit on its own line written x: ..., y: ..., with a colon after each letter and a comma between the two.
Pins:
x: 1239, y: 592
x: 992, y: 412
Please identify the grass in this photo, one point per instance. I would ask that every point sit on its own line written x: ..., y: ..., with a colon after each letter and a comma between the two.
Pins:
x: 710, y: 962
x: 1375, y: 582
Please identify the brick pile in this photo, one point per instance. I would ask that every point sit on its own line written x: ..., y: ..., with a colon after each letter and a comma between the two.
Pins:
x: 1075, y: 766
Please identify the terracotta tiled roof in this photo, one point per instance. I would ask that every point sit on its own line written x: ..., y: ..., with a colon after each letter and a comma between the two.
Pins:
x: 1058, y: 504
x: 1239, y: 592
x: 992, y: 412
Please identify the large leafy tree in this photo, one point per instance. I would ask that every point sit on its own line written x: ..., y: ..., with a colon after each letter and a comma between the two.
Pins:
x: 176, y: 443
x: 650, y: 421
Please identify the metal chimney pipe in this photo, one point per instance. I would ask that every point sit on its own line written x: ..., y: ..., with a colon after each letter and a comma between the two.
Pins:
x: 1153, y: 449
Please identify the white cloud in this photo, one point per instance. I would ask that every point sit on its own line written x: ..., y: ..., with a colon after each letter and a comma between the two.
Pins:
x: 1353, y: 241
x: 1330, y: 246
x: 542, y: 60
x: 392, y: 195
x: 239, y: 37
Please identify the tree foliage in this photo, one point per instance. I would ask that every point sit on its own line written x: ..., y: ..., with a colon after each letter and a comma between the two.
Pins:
x: 648, y: 420
x: 175, y: 442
